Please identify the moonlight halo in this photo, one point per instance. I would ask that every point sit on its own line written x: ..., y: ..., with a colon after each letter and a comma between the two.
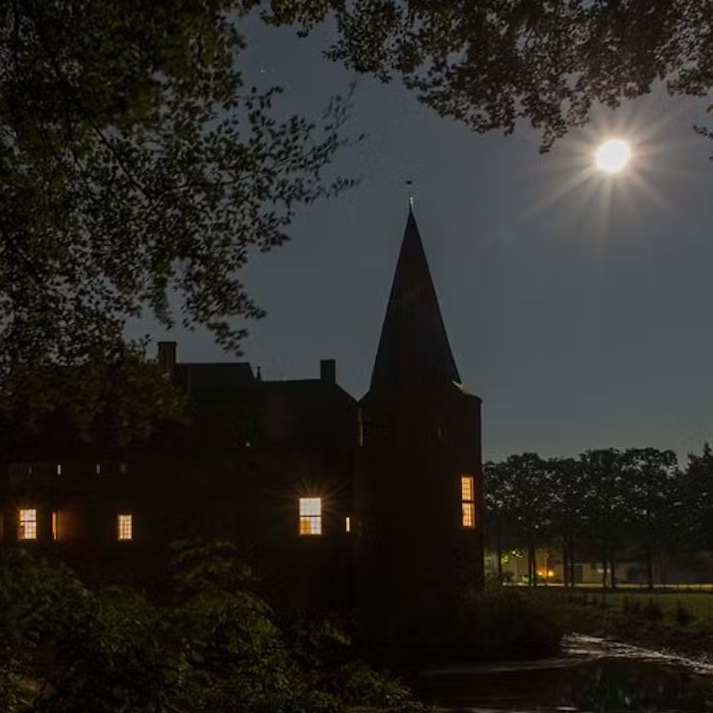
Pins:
x: 613, y: 155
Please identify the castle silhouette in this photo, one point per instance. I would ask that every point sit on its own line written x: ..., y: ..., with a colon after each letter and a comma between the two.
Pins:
x: 337, y: 503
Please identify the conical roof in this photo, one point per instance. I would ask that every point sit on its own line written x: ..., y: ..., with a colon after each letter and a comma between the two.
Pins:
x: 413, y: 348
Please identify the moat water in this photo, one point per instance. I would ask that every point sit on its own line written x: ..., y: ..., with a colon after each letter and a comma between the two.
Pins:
x: 591, y: 676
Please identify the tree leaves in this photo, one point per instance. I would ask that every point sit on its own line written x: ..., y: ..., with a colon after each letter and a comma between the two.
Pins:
x: 139, y: 174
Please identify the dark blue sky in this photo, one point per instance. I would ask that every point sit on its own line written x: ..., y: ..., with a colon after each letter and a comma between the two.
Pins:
x: 582, y: 322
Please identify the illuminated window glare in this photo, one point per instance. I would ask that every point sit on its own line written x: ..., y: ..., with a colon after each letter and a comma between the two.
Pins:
x: 467, y: 501
x: 55, y: 525
x: 124, y: 523
x: 27, y: 525
x: 310, y: 516
x: 348, y: 524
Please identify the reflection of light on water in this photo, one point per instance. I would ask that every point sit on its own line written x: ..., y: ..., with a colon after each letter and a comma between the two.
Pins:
x: 593, y: 647
x: 592, y: 674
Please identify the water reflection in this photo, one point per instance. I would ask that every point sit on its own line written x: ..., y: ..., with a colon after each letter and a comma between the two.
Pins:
x: 600, y: 685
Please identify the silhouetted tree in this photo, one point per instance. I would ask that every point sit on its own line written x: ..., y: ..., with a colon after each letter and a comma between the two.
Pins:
x: 649, y: 480
x: 570, y: 515
x: 696, y: 494
x: 527, y: 480
x: 138, y: 174
x: 490, y: 64
x: 606, y: 503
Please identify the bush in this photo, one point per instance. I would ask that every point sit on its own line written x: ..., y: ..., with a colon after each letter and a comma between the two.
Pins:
x: 683, y: 615
x: 496, y: 624
x: 67, y: 649
x: 652, y: 610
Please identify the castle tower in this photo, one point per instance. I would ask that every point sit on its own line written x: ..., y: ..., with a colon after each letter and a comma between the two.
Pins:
x: 419, y: 486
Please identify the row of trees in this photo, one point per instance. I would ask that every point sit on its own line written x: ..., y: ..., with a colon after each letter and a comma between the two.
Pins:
x: 638, y: 499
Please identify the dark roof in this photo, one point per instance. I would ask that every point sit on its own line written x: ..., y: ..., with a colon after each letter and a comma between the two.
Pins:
x: 198, y: 379
x: 413, y: 348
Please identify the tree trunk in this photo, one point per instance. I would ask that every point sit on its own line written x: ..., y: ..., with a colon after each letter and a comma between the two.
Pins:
x: 650, y: 565
x: 612, y: 562
x: 533, y: 564
x: 604, y: 566
x: 499, y: 551
x: 572, y: 563
x: 565, y: 563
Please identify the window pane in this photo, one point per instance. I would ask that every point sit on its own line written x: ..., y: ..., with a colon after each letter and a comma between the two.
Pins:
x: 310, y: 525
x: 27, y: 525
x: 55, y: 525
x: 125, y: 527
x: 310, y: 506
x: 468, y: 515
x: 466, y: 487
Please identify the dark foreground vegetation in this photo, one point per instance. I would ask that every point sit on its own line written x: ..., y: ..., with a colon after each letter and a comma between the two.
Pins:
x: 215, y: 647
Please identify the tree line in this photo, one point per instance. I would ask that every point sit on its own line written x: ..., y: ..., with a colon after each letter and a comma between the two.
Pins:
x: 604, y: 501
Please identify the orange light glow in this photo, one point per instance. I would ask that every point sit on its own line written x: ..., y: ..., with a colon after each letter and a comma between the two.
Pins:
x: 310, y: 516
x: 27, y: 522
x: 467, y: 491
x: 125, y: 527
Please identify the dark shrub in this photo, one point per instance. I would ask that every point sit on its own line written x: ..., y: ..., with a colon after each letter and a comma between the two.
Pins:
x: 496, y: 624
x: 652, y: 610
x: 683, y: 615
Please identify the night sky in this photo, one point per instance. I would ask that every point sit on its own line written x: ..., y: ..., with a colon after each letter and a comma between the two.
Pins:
x: 582, y: 315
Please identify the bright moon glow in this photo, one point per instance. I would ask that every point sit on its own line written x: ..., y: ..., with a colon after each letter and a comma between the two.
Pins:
x: 613, y: 155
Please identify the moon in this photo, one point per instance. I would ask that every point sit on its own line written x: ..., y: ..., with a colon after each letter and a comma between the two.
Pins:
x: 613, y: 155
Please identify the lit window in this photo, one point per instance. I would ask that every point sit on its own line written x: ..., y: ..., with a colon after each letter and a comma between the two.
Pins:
x: 28, y: 525
x: 467, y: 495
x: 124, y: 523
x: 310, y: 516
x: 59, y: 469
x: 348, y: 524
x: 55, y: 525
x: 98, y: 468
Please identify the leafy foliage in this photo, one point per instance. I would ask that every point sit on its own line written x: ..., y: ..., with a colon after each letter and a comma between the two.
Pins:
x: 493, y: 63
x: 139, y: 173
x: 64, y: 648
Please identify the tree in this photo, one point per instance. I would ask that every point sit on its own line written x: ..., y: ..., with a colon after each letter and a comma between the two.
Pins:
x: 650, y: 476
x: 493, y: 63
x: 138, y: 173
x: 607, y: 504
x: 498, y: 503
x: 529, y: 494
x: 570, y: 516
x: 696, y: 494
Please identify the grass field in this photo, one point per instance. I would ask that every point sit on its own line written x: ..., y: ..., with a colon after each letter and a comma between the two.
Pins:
x: 698, y: 603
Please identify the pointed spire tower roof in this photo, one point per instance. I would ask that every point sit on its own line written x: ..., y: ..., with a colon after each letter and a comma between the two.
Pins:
x: 413, y: 348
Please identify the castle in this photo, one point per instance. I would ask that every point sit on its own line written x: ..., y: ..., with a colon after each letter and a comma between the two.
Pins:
x: 337, y: 503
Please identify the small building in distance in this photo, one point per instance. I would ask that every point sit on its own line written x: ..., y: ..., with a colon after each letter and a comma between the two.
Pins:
x: 374, y: 505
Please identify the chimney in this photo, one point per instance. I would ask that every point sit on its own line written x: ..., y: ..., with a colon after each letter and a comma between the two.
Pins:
x: 328, y: 371
x: 167, y: 356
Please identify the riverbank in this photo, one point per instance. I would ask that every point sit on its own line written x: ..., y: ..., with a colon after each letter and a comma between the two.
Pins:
x: 680, y: 622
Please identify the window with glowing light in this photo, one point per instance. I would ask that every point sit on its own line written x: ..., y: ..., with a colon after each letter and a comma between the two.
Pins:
x: 348, y: 524
x: 467, y: 496
x: 125, y: 527
x: 310, y: 516
x: 27, y: 523
x: 55, y: 525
